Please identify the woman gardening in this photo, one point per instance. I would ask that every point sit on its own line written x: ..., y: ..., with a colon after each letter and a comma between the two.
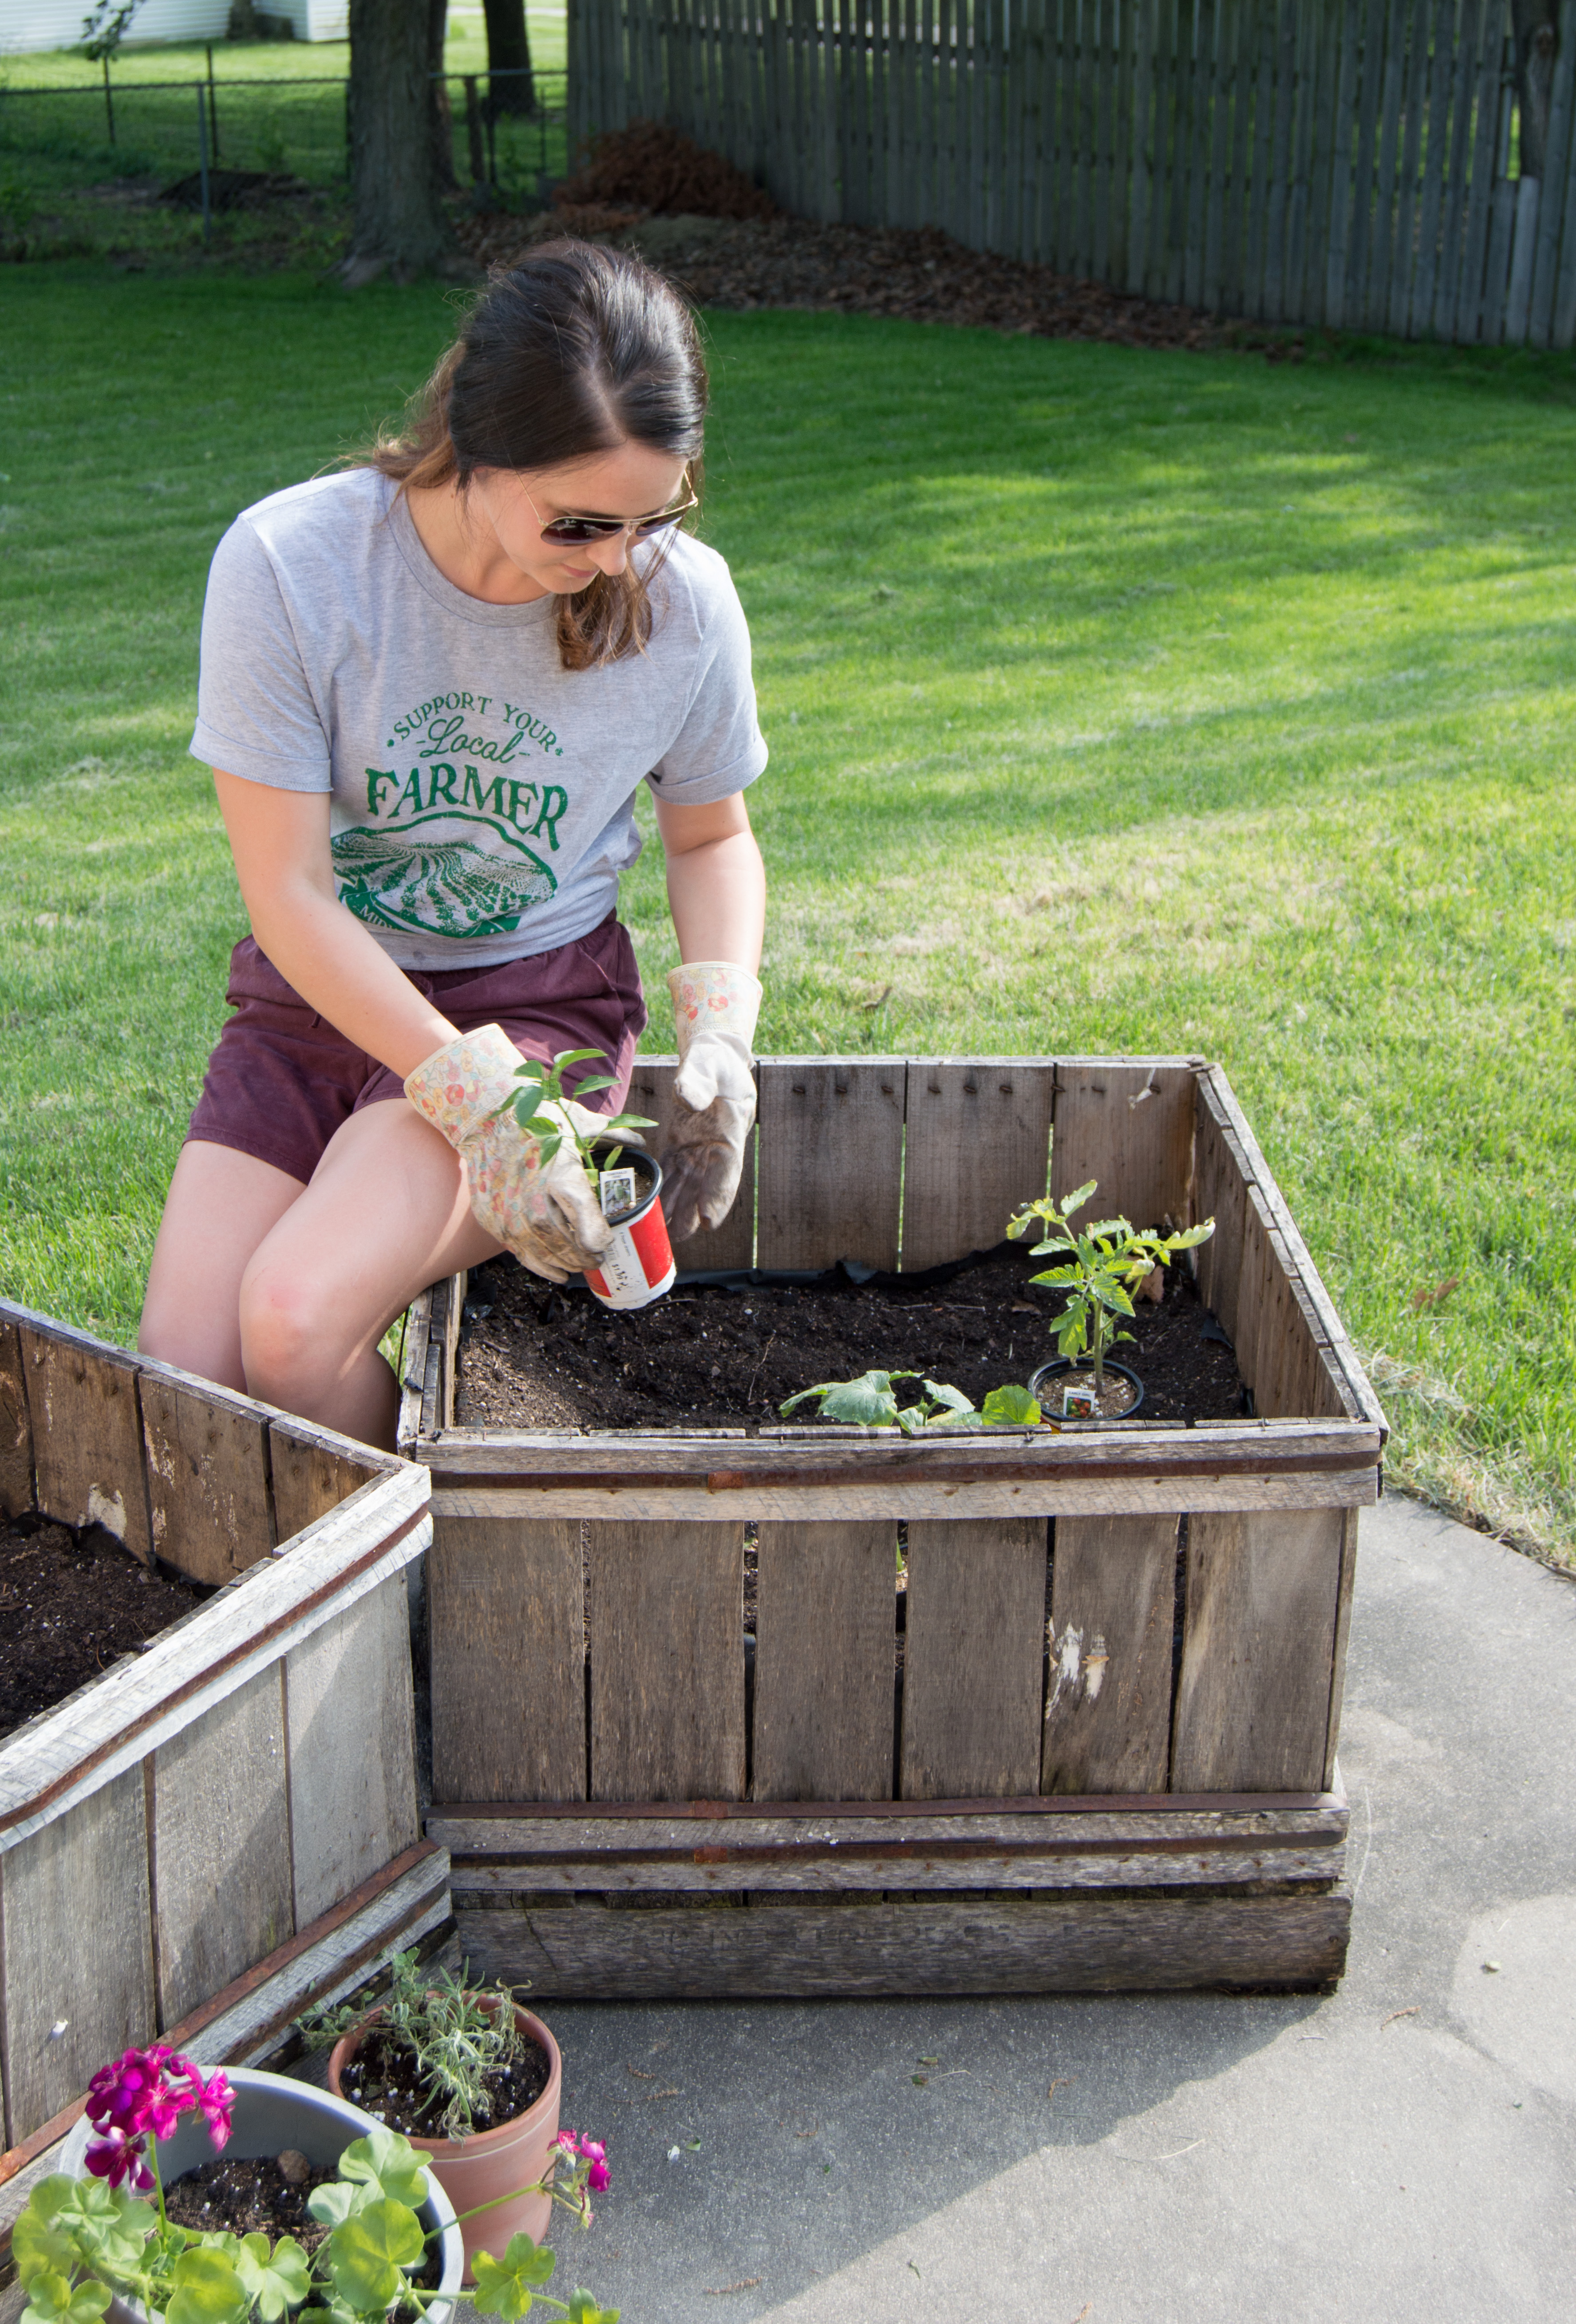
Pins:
x: 429, y: 686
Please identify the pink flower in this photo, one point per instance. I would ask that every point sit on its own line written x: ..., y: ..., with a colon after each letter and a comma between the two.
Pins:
x: 117, y: 2158
x: 214, y: 2100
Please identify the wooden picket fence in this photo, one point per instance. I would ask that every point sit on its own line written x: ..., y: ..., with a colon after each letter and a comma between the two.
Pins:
x: 1351, y: 164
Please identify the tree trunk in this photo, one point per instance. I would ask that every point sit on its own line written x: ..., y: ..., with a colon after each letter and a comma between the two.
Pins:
x: 513, y: 89
x: 397, y: 222
x: 442, y: 117
x: 1536, y: 41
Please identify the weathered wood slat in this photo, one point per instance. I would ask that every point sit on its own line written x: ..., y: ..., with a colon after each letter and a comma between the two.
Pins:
x: 312, y: 1473
x: 1349, y: 1553
x: 1084, y: 1944
x: 830, y: 1161
x: 506, y: 1620
x: 1554, y: 216
x: 219, y: 1847
x: 886, y: 1864
x: 209, y: 1508
x: 733, y: 1243
x: 1220, y: 1192
x: 1108, y: 1706
x: 825, y: 1639
x: 1128, y: 1124
x: 727, y: 1463
x: 16, y: 1491
x: 1123, y: 1823
x: 65, y: 1753
x: 973, y: 1659
x: 1332, y: 1331
x: 977, y: 1146
x: 666, y: 1615
x: 1470, y: 288
x: 86, y: 1433
x: 350, y: 1733
x: 845, y: 1504
x: 75, y: 1952
x: 1258, y: 1647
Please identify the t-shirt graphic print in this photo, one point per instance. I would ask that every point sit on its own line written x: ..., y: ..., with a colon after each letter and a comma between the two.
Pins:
x: 486, y: 816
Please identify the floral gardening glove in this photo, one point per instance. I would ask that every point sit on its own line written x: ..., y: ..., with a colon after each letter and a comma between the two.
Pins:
x: 546, y: 1214
x: 715, y: 1008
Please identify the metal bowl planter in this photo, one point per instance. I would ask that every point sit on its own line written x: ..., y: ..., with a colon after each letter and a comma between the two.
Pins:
x: 274, y: 2112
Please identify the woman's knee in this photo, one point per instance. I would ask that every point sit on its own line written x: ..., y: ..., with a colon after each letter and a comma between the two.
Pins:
x: 294, y: 1333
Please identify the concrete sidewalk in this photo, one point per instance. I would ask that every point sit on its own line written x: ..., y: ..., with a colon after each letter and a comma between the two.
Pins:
x: 1404, y: 2151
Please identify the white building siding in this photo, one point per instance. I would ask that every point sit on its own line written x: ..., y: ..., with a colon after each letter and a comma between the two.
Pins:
x: 58, y: 24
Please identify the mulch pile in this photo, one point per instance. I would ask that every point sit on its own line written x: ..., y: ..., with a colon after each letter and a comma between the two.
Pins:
x: 920, y: 274
x: 702, y: 223
x: 650, y: 167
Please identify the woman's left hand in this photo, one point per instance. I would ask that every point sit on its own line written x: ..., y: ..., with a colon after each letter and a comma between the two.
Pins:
x: 714, y: 1006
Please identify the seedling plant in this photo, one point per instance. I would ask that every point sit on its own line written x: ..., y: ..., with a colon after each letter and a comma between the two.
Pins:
x: 1103, y: 1266
x: 455, y: 2034
x: 82, y: 2242
x: 870, y: 1402
x: 541, y: 1086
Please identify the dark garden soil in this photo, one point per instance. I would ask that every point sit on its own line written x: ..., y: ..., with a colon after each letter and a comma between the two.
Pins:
x: 252, y: 2195
x: 267, y: 2195
x: 534, y: 1356
x: 69, y: 1605
x: 383, y: 2077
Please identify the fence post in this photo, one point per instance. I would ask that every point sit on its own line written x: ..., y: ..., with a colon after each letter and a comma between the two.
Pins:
x: 212, y: 104
x: 473, y: 131
x: 202, y: 160
x: 109, y: 101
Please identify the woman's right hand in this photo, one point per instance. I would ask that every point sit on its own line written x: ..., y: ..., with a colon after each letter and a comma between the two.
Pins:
x: 544, y: 1212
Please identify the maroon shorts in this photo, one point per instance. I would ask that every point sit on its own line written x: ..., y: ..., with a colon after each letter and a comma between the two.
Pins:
x: 281, y: 1080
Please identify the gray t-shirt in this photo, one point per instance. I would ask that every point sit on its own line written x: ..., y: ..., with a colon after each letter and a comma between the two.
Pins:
x: 483, y: 795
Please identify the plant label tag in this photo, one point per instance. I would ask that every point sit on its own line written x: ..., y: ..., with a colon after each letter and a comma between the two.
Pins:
x: 618, y: 1196
x: 1079, y: 1404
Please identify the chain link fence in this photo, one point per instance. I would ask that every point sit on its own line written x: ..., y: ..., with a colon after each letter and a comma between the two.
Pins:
x: 504, y: 133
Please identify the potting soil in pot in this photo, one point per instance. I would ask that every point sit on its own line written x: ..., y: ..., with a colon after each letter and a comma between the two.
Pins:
x: 384, y: 2079
x: 267, y: 2195
x: 251, y: 2195
x: 68, y: 1605
x: 534, y: 1356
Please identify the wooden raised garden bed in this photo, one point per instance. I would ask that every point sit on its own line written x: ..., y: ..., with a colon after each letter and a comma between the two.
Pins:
x: 224, y: 1824
x: 1099, y: 1748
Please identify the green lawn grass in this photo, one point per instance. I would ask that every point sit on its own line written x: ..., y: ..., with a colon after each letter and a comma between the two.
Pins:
x: 1116, y: 701
x: 277, y: 105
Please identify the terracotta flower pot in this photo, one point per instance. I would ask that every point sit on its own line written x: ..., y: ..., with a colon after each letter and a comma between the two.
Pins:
x: 472, y: 2171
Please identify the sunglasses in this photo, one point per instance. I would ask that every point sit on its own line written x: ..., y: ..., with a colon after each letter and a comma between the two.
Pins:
x: 574, y: 531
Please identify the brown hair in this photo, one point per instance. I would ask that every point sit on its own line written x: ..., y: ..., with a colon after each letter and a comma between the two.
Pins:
x: 576, y: 351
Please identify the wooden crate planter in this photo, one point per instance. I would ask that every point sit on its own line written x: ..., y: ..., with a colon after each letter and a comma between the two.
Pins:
x: 226, y: 1823
x: 1112, y: 1761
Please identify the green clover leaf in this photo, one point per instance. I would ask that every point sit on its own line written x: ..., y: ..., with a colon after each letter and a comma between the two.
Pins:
x: 272, y: 2281
x: 390, y: 2163
x: 504, y: 2287
x: 332, y: 2205
x: 207, y: 2289
x: 54, y: 2299
x: 366, y: 2254
x: 583, y: 2310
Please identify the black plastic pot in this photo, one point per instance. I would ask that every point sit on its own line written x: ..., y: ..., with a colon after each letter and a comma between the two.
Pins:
x: 1060, y: 1366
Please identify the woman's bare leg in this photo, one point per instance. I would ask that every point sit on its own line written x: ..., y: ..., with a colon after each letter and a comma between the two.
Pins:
x: 385, y: 1214
x: 220, y: 1206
